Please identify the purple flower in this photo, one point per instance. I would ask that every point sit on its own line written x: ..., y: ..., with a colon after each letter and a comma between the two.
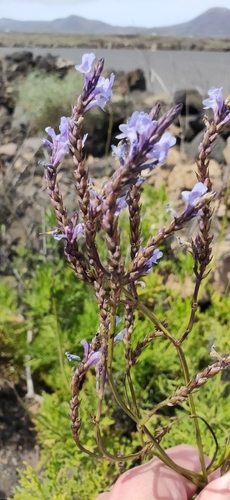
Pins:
x: 139, y: 130
x: 118, y: 320
x: 120, y: 203
x: 102, y: 92
x: 78, y: 230
x: 139, y: 126
x: 86, y: 65
x: 160, y: 150
x: 147, y: 267
x: 119, y: 336
x: 157, y: 254
x: 86, y: 347
x: 215, y: 101
x: 98, y: 88
x: 94, y: 357
x: 60, y: 142
x: 192, y: 197
x: 71, y: 232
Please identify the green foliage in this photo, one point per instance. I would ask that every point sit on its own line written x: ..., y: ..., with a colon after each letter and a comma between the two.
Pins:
x: 65, y: 472
x: 12, y: 332
x: 46, y: 97
x: 61, y: 311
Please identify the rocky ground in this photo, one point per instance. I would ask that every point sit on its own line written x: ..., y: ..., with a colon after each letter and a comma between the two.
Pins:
x: 23, y: 197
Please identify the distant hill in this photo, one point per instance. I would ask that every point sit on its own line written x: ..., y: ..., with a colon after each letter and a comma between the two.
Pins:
x: 214, y: 23
x: 71, y: 24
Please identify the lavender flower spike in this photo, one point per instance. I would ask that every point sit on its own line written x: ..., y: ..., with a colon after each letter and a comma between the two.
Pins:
x: 98, y: 89
x: 60, y: 144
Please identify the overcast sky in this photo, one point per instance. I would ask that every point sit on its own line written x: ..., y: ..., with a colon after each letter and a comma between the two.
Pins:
x: 146, y: 13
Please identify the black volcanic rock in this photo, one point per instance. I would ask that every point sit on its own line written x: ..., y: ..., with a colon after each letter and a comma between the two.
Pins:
x: 191, y: 100
x: 19, y: 57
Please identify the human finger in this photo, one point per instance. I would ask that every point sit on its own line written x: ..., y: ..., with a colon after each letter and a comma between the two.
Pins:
x: 219, y: 489
x: 156, y: 481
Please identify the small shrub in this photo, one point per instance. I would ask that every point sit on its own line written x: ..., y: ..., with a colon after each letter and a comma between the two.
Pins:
x: 44, y: 97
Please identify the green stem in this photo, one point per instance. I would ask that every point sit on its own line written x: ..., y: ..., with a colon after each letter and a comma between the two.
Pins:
x: 193, y: 412
x: 196, y: 478
x: 109, y: 369
x: 59, y: 346
x: 161, y: 454
x: 184, y: 366
x: 149, y: 315
x: 132, y: 393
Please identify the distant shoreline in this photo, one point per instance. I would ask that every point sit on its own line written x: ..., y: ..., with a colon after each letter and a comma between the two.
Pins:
x: 141, y: 42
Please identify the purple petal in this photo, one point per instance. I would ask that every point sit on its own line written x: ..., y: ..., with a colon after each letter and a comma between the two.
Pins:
x: 86, y: 347
x: 120, y: 203
x: 94, y: 358
x: 50, y: 131
x: 161, y: 149
x: 62, y: 149
x: 118, y: 320
x: 147, y: 267
x: 215, y: 100
x: 119, y: 336
x: 60, y: 142
x: 79, y: 229
x: 85, y: 66
x: 102, y: 93
x: 198, y: 190
x: 47, y: 143
x: 64, y: 128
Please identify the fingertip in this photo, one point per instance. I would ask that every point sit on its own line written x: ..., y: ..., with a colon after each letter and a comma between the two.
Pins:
x: 103, y: 496
x: 219, y: 489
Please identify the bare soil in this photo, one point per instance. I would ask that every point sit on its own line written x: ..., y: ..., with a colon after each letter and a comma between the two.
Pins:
x: 47, y: 40
x: 17, y: 438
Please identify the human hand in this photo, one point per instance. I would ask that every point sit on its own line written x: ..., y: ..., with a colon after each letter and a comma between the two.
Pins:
x: 155, y: 481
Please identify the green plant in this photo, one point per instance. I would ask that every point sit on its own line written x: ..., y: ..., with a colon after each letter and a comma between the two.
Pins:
x: 44, y: 97
x: 164, y: 326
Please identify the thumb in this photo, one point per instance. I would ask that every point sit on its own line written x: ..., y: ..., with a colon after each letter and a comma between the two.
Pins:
x: 219, y: 489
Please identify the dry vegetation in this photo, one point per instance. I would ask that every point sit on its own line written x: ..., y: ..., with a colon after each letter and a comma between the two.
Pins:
x: 30, y: 40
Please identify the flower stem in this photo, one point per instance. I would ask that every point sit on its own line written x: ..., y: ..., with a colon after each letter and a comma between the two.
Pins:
x: 193, y: 412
